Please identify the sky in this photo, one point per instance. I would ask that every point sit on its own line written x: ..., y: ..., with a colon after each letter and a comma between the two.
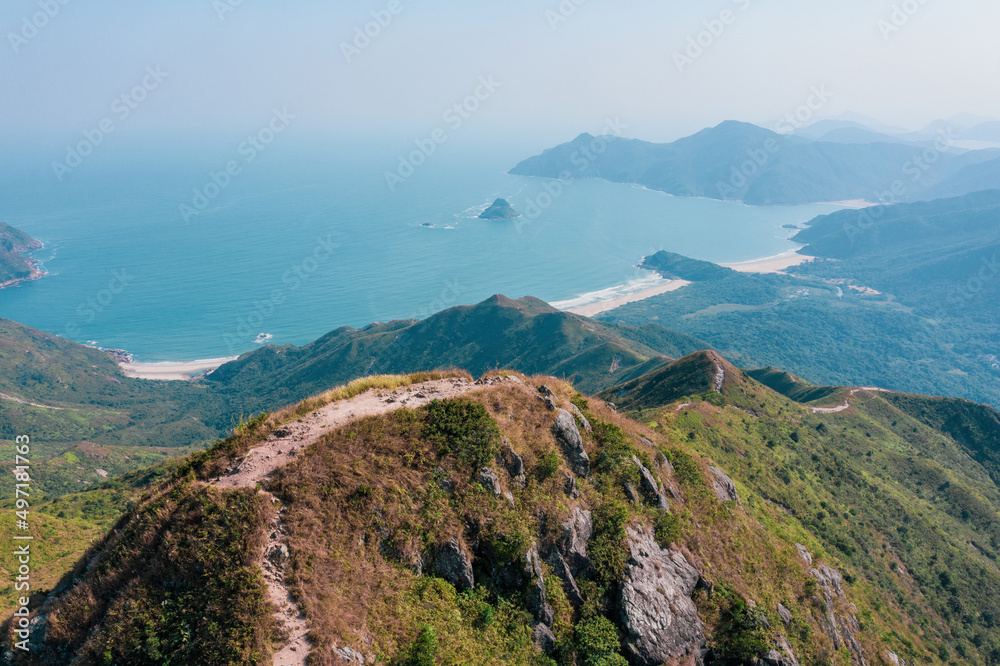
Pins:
x: 548, y: 68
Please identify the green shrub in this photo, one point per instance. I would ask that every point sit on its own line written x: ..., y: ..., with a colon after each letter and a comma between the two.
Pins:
x: 666, y: 529
x: 463, y: 429
x: 425, y: 648
x: 597, y: 642
x: 741, y: 636
x: 547, y: 466
x: 685, y: 467
x: 608, y: 548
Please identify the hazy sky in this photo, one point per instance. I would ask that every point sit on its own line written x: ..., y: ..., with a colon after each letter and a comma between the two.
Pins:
x: 562, y: 67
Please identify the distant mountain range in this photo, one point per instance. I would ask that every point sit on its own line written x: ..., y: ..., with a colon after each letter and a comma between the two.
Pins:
x: 743, y: 162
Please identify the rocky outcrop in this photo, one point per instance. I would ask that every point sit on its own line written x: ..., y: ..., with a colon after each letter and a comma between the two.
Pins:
x: 894, y: 658
x: 562, y: 571
x: 842, y: 628
x: 630, y: 492
x: 785, y: 615
x: 499, y: 210
x: 723, y: 486
x: 781, y: 655
x: 583, y: 419
x: 514, y: 465
x: 544, y: 639
x: 454, y: 565
x: 348, y: 656
x: 804, y: 554
x: 651, y: 488
x: 569, y: 487
x: 537, y: 603
x: 571, y: 442
x: 488, y: 479
x: 660, y: 621
x: 576, y: 534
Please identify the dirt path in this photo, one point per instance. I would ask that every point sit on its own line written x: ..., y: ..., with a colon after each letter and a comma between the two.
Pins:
x: 283, y: 446
x: 847, y: 403
x: 4, y: 396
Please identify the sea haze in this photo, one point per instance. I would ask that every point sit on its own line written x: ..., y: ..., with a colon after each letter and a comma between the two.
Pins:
x: 308, y: 238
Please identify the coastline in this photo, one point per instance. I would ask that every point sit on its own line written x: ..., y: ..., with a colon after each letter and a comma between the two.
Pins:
x: 172, y: 371
x: 594, y: 309
x: 35, y: 275
x: 774, y: 264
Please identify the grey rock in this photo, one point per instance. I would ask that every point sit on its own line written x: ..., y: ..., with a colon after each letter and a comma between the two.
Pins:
x: 583, y: 419
x: 804, y: 554
x: 550, y: 404
x: 651, y: 487
x: 452, y: 564
x: 545, y: 390
x: 660, y: 621
x: 562, y: 571
x: 279, y: 555
x: 514, y: 465
x: 572, y: 542
x: 349, y: 656
x: 612, y: 407
x: 569, y: 487
x: 537, y: 603
x: 723, y: 486
x: 509, y: 497
x: 630, y: 492
x: 781, y: 655
x: 842, y: 629
x: 894, y: 658
x: 545, y: 640
x: 571, y: 442
x: 488, y: 479
x: 785, y: 615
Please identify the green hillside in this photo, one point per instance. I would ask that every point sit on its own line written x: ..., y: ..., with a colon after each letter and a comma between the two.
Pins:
x: 736, y: 526
x: 14, y: 242
x: 526, y: 335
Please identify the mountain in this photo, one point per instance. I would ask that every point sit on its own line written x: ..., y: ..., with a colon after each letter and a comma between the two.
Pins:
x: 677, y: 266
x: 499, y: 210
x: 925, y: 253
x: 433, y: 519
x: 526, y: 335
x: 744, y: 162
x: 15, y: 268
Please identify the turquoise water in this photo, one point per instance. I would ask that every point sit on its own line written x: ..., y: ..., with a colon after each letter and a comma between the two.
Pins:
x: 308, y: 239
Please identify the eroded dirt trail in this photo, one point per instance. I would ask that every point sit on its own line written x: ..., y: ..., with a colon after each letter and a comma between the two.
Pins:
x: 847, y: 403
x: 282, y: 447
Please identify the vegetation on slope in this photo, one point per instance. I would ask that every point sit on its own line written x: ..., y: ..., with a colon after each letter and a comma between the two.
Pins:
x: 14, y: 242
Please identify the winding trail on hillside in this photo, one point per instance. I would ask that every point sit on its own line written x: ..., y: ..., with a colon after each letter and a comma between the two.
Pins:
x: 847, y: 403
x: 4, y: 396
x: 284, y: 445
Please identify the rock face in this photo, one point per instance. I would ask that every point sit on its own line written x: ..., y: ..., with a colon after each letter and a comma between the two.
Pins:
x: 452, y: 564
x: 500, y: 210
x: 571, y: 442
x: 576, y: 533
x: 488, y: 479
x: 781, y: 655
x: 538, y: 604
x: 660, y: 620
x: 785, y: 615
x: 804, y: 554
x: 545, y: 640
x: 651, y: 488
x: 842, y: 628
x: 723, y: 486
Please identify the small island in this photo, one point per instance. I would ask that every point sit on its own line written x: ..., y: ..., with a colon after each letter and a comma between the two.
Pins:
x: 15, y: 268
x: 675, y: 266
x: 500, y: 210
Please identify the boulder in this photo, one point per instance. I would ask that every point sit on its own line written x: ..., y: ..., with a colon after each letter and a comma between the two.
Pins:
x: 550, y: 404
x: 785, y: 615
x: 545, y: 390
x: 804, y: 554
x: 454, y: 565
x: 630, y: 492
x: 569, y: 487
x: 723, y: 486
x: 659, y: 618
x: 651, y: 488
x: 781, y: 654
x: 571, y: 442
x: 514, y: 465
x: 894, y: 658
x: 488, y: 479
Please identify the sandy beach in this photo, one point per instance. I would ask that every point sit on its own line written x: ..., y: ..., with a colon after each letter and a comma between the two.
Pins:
x: 776, y: 264
x: 595, y: 309
x: 174, y: 372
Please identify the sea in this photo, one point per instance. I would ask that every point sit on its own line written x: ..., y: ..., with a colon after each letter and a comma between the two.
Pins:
x: 165, y: 251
